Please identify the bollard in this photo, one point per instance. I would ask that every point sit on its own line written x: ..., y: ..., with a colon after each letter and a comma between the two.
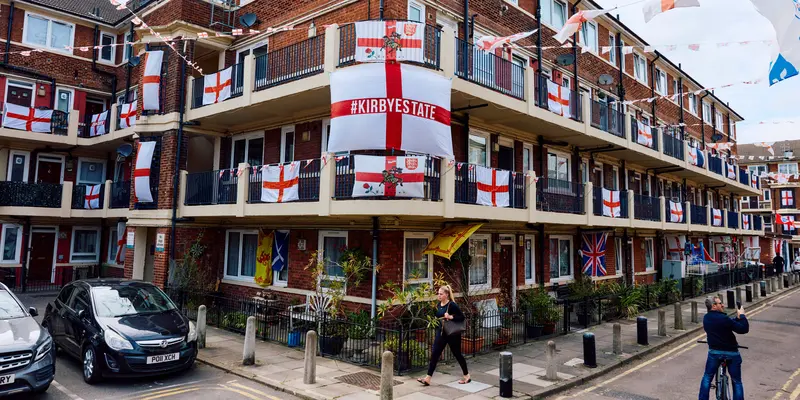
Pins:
x: 506, y: 376
x: 387, y: 375
x: 695, y: 316
x: 552, y: 366
x: 764, y: 288
x: 310, y: 370
x: 201, y: 327
x: 748, y: 295
x: 616, y: 345
x: 249, y: 353
x: 731, y: 300
x: 739, y: 298
x: 756, y: 289
x: 678, y: 316
x: 662, y: 323
x: 589, y: 351
x: 641, y: 331
x: 786, y: 281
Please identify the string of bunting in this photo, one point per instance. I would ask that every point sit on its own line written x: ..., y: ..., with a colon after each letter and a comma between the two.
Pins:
x: 628, y: 49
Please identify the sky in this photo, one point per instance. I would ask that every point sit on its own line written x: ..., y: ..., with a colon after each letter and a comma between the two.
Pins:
x: 725, y: 21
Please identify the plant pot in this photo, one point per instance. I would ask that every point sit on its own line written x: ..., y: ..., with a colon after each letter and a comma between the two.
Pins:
x: 331, y: 345
x: 471, y: 345
x: 549, y: 328
x: 294, y: 338
x: 505, y: 333
x: 534, y: 331
x: 500, y: 342
x: 421, y: 335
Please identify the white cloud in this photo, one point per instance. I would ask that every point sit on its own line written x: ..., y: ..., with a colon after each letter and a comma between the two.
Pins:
x: 724, y: 21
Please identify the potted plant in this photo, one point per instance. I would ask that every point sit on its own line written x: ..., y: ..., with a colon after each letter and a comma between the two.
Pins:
x: 358, y: 332
x: 537, y: 304
x: 582, y: 293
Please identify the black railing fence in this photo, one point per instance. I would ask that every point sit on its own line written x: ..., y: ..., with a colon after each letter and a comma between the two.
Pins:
x: 48, y: 281
x: 618, y: 202
x: 23, y: 194
x: 120, y: 194
x: 646, y: 208
x: 733, y: 220
x: 489, y: 70
x: 557, y: 195
x: 237, y: 85
x: 673, y: 146
x: 606, y: 117
x: 83, y: 196
x: 431, y: 52
x: 699, y: 215
x: 211, y: 187
x: 290, y: 63
x: 542, y: 97
x: 654, y: 135
x: 715, y: 164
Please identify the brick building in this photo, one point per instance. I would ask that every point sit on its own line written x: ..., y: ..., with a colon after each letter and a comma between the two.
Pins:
x: 203, y: 185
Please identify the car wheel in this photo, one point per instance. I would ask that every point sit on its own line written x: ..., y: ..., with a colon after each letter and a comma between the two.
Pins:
x: 91, y: 368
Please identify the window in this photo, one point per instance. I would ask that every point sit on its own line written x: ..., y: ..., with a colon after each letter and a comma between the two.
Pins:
x: 718, y: 116
x: 640, y: 68
x: 248, y: 148
x: 478, y: 150
x: 558, y: 167
x: 565, y: 82
x: 85, y: 244
x: 518, y: 76
x: 757, y: 170
x: 554, y: 13
x: 257, y: 49
x: 661, y: 82
x: 622, y: 53
x: 416, y: 11
x: 787, y: 168
x: 287, y: 144
x: 108, y: 51
x: 11, y: 244
x: 240, y: 254
x: 91, y: 172
x: 675, y: 88
x: 706, y: 112
x: 612, y: 54
x: 19, y: 93
x: 648, y: 255
x: 692, y: 104
x: 588, y: 35
x: 128, y: 49
x: 418, y: 267
x: 333, y: 245
x: 527, y: 158
x: 615, y: 178
x: 18, y: 166
x: 528, y: 254
x: 560, y: 258
x: 480, y: 272
x: 112, y: 246
x: 41, y: 31
x: 767, y: 194
x: 64, y: 98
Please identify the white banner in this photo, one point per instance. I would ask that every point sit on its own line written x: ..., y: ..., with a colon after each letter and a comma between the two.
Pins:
x: 380, y: 41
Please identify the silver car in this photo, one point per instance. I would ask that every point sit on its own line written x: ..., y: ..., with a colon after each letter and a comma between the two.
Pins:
x: 27, y: 357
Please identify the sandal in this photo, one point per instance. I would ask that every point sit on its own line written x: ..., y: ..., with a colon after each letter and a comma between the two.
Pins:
x: 423, y: 382
x: 463, y: 382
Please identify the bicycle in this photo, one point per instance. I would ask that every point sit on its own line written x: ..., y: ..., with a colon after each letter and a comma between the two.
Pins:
x: 720, y: 383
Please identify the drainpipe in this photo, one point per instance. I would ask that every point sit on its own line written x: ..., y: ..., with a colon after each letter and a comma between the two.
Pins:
x: 540, y: 254
x: 466, y: 25
x: 680, y: 104
x: 702, y: 123
x: 99, y: 71
x: 539, y: 42
x: 575, y: 55
x: 380, y: 11
x: 26, y: 238
x: 128, y: 71
x: 653, y: 87
x: 620, y: 86
x: 176, y: 175
x: 373, y: 310
x: 8, y: 33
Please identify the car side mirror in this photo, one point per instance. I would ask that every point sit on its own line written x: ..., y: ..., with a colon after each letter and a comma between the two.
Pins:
x: 33, y: 312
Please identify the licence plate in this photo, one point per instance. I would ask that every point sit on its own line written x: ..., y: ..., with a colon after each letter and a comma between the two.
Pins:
x: 7, y: 379
x: 163, y: 358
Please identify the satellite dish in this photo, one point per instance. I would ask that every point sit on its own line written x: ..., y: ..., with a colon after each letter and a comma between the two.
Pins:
x: 247, y: 20
x: 565, y: 59
x: 125, y: 150
x: 605, y: 79
x: 716, y: 137
x: 134, y: 61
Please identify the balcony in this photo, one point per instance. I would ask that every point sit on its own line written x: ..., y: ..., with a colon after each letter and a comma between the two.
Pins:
x: 212, y: 187
x: 80, y: 200
x: 673, y: 146
x: 620, y: 201
x: 431, y: 55
x: 559, y: 196
x: 121, y: 194
x: 489, y: 70
x: 542, y: 98
x: 752, y: 204
x: 467, y: 186
x: 715, y: 165
x: 291, y: 63
x: 758, y: 223
x: 606, y: 118
x: 308, y: 181
x: 699, y: 214
x: 85, y: 127
x: 23, y: 194
x: 237, y: 85
x: 744, y: 177
x: 644, y: 142
x: 47, y: 200
x: 646, y: 208
x: 733, y: 220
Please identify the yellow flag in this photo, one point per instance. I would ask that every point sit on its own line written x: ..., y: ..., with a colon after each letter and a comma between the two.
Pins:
x: 264, y: 259
x: 448, y: 240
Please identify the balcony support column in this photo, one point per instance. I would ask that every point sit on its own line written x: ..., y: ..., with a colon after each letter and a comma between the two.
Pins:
x: 531, y: 194
x: 688, y: 207
x: 448, y: 187
x: 72, y: 128
x: 248, y: 79
x: 113, y: 126
x: 447, y: 44
x: 588, y: 201
x: 663, y: 204
x: 631, y: 208
x: 106, y: 198
x: 586, y: 112
x: 242, y: 189
x: 331, y: 58
x: 327, y: 180
x: 66, y: 199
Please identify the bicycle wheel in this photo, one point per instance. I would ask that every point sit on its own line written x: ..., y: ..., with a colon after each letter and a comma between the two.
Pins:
x: 724, y: 389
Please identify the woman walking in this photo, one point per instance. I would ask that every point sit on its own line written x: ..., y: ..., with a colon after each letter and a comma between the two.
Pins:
x: 447, y: 310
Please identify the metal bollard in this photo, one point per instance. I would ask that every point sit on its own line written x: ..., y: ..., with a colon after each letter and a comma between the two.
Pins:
x: 387, y: 375
x: 201, y: 327
x: 589, y: 350
x: 310, y: 359
x: 756, y: 289
x: 748, y: 293
x: 739, y: 298
x: 662, y: 323
x: 695, y: 315
x: 731, y: 300
x: 764, y: 288
x: 506, y: 376
x: 249, y: 352
x: 678, y: 316
x: 616, y: 345
x: 786, y: 281
x: 641, y: 331
x: 552, y: 366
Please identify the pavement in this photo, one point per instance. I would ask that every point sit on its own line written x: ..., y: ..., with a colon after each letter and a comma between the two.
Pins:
x: 281, y: 368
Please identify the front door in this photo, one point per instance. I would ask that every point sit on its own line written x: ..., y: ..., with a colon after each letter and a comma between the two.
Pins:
x: 149, y: 263
x: 505, y: 159
x: 41, y: 258
x: 49, y: 169
x: 95, y: 106
x: 20, y: 94
x: 507, y: 284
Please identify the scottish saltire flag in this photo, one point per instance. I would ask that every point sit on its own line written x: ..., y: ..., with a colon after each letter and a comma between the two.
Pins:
x: 785, y: 18
x: 280, y: 250
x: 593, y: 251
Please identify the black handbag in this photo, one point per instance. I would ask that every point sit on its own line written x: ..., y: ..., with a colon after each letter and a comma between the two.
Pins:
x: 450, y: 327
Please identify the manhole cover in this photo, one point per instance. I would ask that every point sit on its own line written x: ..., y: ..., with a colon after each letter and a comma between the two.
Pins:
x: 365, y: 380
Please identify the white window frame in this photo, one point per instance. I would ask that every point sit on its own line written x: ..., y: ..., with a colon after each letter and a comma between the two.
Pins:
x: 675, y: 90
x: 661, y: 81
x: 532, y: 250
x: 640, y: 61
x: 707, y: 115
x: 598, y: 166
x: 571, y: 275
x: 548, y: 19
x: 285, y: 130
x: 756, y: 169
x: 719, y: 120
x: 72, y: 245
x: 612, y: 54
x: 112, y: 240
x: 619, y: 261
x: 417, y: 235
x: 652, y: 266
x: 246, y: 137
x: 767, y: 194
x: 561, y: 154
x: 21, y: 83
x: 489, y: 250
x: 615, y: 178
x: 529, y: 147
x: 276, y: 276
x: 692, y: 104
x: 18, y: 251
x: 53, y: 158
x: 487, y: 136
x: 248, y: 50
x: 113, y: 48
x: 785, y: 171
x: 622, y: 54
x: 47, y: 44
x: 27, y: 166
x: 593, y: 46
x: 321, y: 246
x: 128, y: 49
x: 79, y: 181
x: 238, y: 276
x: 420, y: 7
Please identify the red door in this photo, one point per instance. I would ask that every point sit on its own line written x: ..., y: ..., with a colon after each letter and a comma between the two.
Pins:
x: 19, y: 95
x: 41, y: 263
x: 506, y: 269
x: 48, y: 172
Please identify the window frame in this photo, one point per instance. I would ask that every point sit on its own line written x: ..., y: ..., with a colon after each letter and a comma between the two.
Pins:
x: 72, y: 252
x: 794, y: 164
x: 247, y: 137
x: 548, y: 19
x: 417, y: 235
x: 238, y: 277
x: 593, y: 47
x: 637, y: 59
x: 707, y: 115
x: 20, y: 83
x: 418, y: 5
x: 112, y: 240
x: 26, y: 168
x: 284, y: 131
x: 276, y: 277
x: 558, y: 154
x: 652, y: 266
x: 719, y: 120
x: 529, y: 148
x: 488, y: 284
x: 612, y: 41
x: 692, y: 104
x: 488, y: 138
x: 532, y: 240
x: 321, y: 246
x: 619, y: 259
x: 113, y: 47
x: 127, y: 49
x: 79, y: 181
x: 48, y: 44
x: 571, y: 275
x: 767, y: 194
x: 661, y: 80
x: 18, y: 251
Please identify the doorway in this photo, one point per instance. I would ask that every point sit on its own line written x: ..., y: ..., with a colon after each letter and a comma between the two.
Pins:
x: 42, y: 255
x: 508, y: 269
x: 19, y: 93
x: 150, y: 258
x: 49, y: 169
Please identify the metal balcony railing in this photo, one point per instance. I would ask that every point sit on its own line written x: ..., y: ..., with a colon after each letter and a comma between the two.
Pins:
x: 607, y: 118
x: 211, y: 187
x: 237, y: 85
x: 489, y: 70
x: 758, y: 222
x: 307, y: 185
x: 619, y: 202
x: 23, y: 194
x: 467, y: 186
x: 733, y: 220
x: 715, y: 164
x: 646, y: 208
x: 635, y: 134
x: 431, y: 54
x: 59, y: 121
x: 699, y: 214
x: 560, y: 196
x: 744, y: 177
x: 542, y: 97
x: 120, y: 194
x: 291, y: 63
x: 673, y: 146
x: 80, y: 200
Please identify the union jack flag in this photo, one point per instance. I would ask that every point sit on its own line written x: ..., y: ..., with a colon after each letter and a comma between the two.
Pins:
x: 593, y: 251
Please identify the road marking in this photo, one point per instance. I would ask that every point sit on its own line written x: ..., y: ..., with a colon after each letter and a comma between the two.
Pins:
x: 174, y: 388
x: 245, y: 394
x: 795, y: 393
x: 66, y: 391
x: 161, y: 389
x: 253, y: 390
x: 785, y: 388
x: 171, y: 393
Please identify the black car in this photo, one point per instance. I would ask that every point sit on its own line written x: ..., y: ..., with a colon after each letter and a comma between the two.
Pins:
x: 121, y: 328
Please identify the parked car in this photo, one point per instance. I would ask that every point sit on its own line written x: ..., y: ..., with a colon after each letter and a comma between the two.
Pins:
x: 122, y: 328
x: 27, y: 359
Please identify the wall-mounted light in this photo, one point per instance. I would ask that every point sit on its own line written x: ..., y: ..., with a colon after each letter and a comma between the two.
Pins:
x: 495, y: 147
x: 305, y: 136
x: 41, y: 91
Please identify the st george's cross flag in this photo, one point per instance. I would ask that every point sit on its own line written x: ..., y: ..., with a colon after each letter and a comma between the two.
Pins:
x: 91, y: 198
x: 26, y: 118
x: 754, y: 180
x: 675, y: 243
x: 120, y: 258
x: 593, y: 252
x: 745, y: 222
x: 141, y: 174
x: 390, y: 106
x: 675, y: 212
x: 655, y: 7
x: 127, y: 115
x: 380, y: 41
x: 787, y: 197
x: 98, y: 124
x: 731, y: 171
x: 612, y: 204
x: 716, y: 217
x: 490, y: 43
x: 644, y: 134
x: 389, y: 176
x: 558, y: 98
x: 696, y: 156
x: 574, y: 23
x: 493, y: 188
x: 151, y: 80
x: 280, y: 183
x: 217, y: 86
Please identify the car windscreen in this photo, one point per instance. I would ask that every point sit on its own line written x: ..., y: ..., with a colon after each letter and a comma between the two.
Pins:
x: 122, y: 301
x: 9, y: 308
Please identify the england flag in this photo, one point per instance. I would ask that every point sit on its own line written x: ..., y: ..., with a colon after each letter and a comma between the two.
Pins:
x: 389, y: 176
x: 381, y: 41
x: 492, y: 187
